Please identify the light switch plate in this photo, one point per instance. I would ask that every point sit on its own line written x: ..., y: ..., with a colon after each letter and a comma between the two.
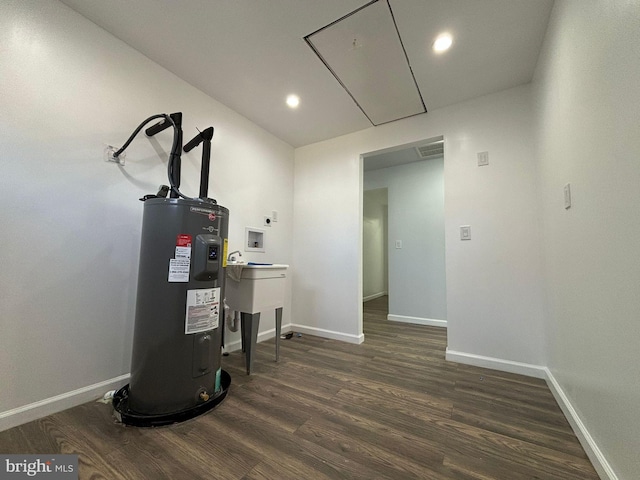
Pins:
x: 567, y: 196
x: 465, y: 232
x: 483, y: 159
x: 398, y: 244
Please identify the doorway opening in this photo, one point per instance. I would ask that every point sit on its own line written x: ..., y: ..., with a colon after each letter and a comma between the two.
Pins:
x: 403, y: 242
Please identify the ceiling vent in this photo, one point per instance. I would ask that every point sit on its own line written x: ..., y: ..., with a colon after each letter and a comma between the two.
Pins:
x: 432, y: 150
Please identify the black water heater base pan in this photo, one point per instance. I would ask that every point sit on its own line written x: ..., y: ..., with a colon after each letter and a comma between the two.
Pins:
x: 127, y: 417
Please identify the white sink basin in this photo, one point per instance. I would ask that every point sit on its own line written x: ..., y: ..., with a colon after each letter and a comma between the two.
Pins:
x: 261, y: 287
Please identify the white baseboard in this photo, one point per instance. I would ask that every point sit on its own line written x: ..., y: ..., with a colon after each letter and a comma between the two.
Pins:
x: 599, y: 461
x: 321, y: 332
x: 417, y: 320
x: 374, y: 296
x: 318, y: 332
x: 592, y: 450
x: 509, y: 366
x: 262, y: 336
x: 48, y: 406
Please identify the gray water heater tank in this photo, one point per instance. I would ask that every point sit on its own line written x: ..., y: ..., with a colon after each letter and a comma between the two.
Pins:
x: 175, y: 365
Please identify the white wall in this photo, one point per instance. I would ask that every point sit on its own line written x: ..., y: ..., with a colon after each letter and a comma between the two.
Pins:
x: 417, y: 278
x: 71, y: 222
x: 588, y: 116
x: 375, y: 273
x: 494, y: 290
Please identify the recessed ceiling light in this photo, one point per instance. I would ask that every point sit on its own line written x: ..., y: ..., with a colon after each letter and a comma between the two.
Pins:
x: 442, y: 43
x: 293, y: 101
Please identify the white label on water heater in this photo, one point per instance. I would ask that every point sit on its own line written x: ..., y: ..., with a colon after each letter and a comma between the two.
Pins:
x: 178, y: 270
x: 179, y: 266
x: 203, y: 310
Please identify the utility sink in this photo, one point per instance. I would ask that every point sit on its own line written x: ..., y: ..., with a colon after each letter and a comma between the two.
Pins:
x: 251, y: 289
x: 261, y: 287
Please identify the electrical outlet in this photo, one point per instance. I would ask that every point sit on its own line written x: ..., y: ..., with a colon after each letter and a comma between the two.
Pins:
x: 267, y: 220
x: 109, y: 150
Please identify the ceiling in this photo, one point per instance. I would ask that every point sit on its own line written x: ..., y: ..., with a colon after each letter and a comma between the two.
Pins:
x: 251, y: 54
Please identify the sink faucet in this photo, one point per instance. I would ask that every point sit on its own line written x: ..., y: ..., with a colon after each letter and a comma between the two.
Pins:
x: 231, y: 258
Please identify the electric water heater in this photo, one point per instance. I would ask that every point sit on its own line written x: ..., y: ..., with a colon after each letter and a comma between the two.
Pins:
x: 179, y: 309
x: 176, y: 369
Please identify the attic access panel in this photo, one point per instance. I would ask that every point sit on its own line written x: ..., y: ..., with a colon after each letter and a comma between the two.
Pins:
x: 363, y: 50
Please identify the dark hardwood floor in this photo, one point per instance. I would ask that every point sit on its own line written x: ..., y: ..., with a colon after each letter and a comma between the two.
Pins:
x: 391, y: 408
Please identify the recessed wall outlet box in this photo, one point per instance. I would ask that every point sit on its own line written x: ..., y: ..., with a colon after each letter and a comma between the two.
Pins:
x: 465, y: 232
x: 109, y: 150
x: 274, y: 216
x: 267, y: 221
x: 398, y: 243
x: 567, y: 196
x: 483, y: 159
x: 254, y: 239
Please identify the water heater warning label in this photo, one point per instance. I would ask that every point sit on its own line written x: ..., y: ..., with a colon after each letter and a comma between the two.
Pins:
x: 203, y: 310
x: 179, y: 270
x: 179, y: 266
x: 183, y: 247
x: 183, y: 240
